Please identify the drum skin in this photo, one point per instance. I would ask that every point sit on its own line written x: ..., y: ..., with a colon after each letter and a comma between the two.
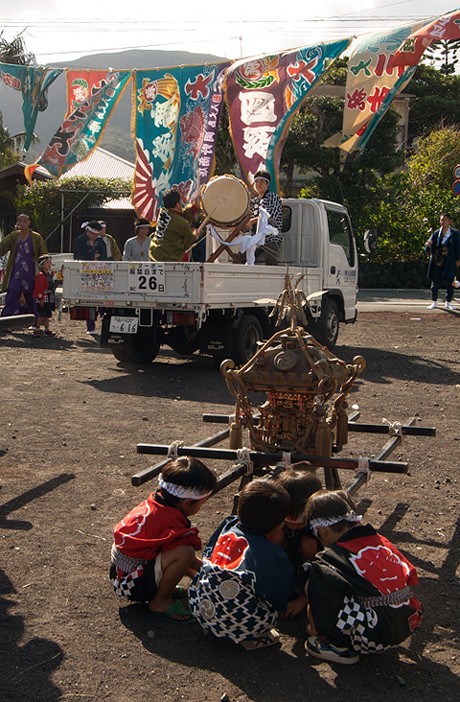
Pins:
x: 225, y: 200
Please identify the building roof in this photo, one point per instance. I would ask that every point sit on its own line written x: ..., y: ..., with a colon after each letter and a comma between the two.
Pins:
x: 103, y: 164
x: 17, y: 169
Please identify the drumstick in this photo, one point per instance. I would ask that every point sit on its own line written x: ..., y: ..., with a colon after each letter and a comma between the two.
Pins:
x: 206, y: 219
x: 197, y: 196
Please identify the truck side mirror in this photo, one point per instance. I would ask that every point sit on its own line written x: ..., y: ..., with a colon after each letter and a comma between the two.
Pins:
x: 370, y: 241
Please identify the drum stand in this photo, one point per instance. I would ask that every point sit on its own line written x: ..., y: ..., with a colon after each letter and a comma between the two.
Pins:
x: 233, y: 234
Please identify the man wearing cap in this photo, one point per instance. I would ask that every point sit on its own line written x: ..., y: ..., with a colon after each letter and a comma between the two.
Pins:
x: 25, y: 248
x: 113, y: 251
x: 137, y: 248
x: 173, y: 233
x: 90, y: 246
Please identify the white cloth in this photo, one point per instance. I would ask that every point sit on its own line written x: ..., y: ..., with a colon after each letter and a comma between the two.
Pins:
x: 248, y: 243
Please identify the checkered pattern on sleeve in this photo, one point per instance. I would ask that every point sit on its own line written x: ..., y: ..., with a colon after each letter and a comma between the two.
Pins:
x: 225, y: 603
x: 272, y: 203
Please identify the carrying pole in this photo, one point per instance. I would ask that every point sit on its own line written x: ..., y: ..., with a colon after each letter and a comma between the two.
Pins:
x: 259, y: 458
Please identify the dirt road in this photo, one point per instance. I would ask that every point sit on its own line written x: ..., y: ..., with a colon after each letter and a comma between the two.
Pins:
x: 71, y: 419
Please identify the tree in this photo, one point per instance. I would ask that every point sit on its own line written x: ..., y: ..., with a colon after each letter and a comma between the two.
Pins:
x: 43, y: 199
x: 412, y: 201
x: 443, y: 52
x: 225, y: 157
x: 353, y: 179
x: 7, y: 153
x: 14, y: 51
x: 438, y: 101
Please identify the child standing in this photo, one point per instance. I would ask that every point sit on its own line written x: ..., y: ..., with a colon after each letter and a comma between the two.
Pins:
x: 246, y: 578
x: 359, y: 588
x: 44, y: 295
x: 154, y: 545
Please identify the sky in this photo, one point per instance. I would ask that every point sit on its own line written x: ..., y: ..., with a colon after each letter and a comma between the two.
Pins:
x: 54, y: 32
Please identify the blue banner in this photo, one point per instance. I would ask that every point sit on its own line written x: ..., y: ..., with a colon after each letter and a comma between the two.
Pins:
x: 33, y: 82
x: 175, y: 118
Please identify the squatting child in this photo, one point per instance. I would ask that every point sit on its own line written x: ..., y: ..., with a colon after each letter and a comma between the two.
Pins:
x: 155, y: 544
x: 44, y: 295
x: 359, y: 587
x: 298, y: 541
x: 246, y: 578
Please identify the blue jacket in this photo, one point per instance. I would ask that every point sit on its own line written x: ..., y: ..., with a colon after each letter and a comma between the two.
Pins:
x: 85, y: 251
x: 452, y: 254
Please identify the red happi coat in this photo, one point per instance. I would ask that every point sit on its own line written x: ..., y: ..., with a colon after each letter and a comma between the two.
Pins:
x: 152, y: 527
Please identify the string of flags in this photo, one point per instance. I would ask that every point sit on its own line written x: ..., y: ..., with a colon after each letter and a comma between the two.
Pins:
x: 176, y: 110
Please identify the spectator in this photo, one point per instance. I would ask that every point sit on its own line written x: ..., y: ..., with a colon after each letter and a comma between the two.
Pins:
x: 25, y: 247
x: 137, y: 248
x: 44, y: 295
x: 113, y: 250
x: 90, y: 246
x: 444, y: 248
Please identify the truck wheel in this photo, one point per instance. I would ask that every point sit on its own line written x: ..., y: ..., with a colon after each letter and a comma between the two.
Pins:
x: 120, y: 354
x: 249, y: 332
x: 139, y: 348
x: 326, y: 329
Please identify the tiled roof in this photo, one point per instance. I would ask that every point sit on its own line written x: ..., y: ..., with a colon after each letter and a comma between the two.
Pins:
x: 101, y: 164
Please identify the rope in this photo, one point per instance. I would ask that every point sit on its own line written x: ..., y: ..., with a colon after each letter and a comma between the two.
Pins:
x: 284, y: 464
x: 173, y: 449
x: 395, y: 428
x: 243, y: 455
x: 363, y: 468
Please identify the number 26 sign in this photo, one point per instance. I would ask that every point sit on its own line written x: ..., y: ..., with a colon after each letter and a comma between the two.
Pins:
x: 147, y: 277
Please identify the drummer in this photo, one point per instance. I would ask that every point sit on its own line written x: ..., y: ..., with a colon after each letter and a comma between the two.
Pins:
x: 270, y: 252
x: 173, y: 234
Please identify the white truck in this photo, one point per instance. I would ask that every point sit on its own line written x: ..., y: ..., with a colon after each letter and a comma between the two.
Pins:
x: 222, y: 308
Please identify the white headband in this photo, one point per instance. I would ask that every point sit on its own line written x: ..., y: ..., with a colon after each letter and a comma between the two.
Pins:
x: 85, y: 226
x: 261, y: 178
x: 330, y: 521
x: 183, y: 492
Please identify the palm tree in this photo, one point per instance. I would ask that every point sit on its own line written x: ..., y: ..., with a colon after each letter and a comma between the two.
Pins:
x: 14, y: 51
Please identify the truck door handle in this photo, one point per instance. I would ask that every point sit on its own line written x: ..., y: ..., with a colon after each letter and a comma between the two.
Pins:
x: 332, y: 270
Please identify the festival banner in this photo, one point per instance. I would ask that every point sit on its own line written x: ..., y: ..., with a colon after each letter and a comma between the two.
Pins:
x: 175, y: 118
x: 33, y: 82
x: 443, y: 28
x: 263, y: 94
x: 81, y: 85
x: 82, y: 130
x: 372, y: 84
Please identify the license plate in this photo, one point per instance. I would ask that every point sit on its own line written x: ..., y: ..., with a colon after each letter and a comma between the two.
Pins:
x: 124, y: 325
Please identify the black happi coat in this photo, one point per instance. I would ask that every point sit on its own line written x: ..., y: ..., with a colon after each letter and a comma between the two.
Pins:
x: 363, y: 564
